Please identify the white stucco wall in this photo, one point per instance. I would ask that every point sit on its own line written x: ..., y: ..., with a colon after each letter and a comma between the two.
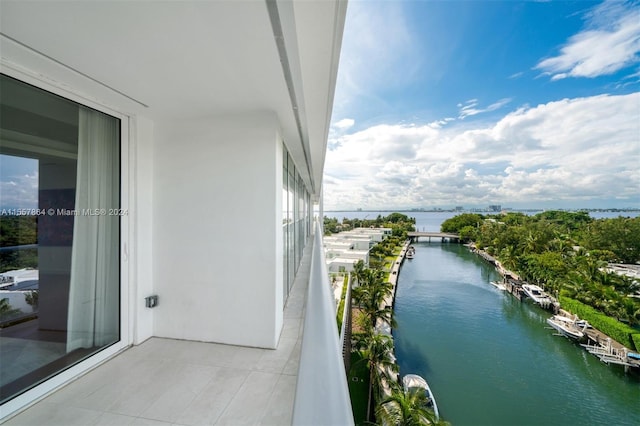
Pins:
x: 216, y: 229
x: 141, y: 193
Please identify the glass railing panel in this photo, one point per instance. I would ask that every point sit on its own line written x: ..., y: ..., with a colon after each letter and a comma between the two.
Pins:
x: 322, y: 393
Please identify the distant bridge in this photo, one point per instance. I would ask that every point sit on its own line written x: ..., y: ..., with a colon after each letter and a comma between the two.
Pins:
x: 414, y: 235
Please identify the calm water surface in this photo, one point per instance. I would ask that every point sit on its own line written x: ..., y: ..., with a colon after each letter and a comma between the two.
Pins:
x: 489, y: 358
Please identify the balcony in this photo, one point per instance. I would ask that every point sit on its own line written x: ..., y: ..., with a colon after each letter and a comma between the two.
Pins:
x: 165, y: 381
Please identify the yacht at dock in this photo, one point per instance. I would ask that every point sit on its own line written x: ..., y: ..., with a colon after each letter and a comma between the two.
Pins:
x: 412, y: 381
x: 536, y: 294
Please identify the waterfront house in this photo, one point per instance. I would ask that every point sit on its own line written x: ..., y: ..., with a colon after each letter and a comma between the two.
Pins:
x: 188, y: 140
x: 376, y: 234
x: 341, y: 264
x: 358, y: 242
x: 334, y: 246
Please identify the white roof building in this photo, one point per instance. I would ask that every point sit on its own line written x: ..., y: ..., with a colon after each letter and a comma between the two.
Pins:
x: 376, y: 234
x: 344, y: 249
x: 341, y: 264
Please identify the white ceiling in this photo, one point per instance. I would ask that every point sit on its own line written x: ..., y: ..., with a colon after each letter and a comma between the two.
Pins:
x: 179, y: 59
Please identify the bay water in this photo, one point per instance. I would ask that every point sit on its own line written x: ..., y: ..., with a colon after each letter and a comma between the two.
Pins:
x: 489, y: 358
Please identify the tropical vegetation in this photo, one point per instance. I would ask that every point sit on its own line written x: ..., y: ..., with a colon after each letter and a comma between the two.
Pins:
x: 406, y: 407
x: 17, y: 231
x: 399, y: 224
x: 376, y: 395
x: 568, y: 254
x: 7, y: 312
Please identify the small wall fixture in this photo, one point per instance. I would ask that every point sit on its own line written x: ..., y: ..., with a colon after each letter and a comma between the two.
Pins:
x: 151, y: 301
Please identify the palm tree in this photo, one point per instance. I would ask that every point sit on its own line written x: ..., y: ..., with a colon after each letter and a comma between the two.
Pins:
x: 509, y: 256
x: 358, y: 271
x: 590, y: 269
x: 530, y: 244
x: 370, y: 296
x: 377, y: 350
x: 562, y: 244
x: 407, y: 408
x: 555, y: 285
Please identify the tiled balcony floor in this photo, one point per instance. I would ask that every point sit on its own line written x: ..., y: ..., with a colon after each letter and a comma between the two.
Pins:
x: 174, y: 382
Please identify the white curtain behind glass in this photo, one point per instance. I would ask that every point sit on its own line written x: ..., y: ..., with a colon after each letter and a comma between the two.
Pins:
x: 94, y: 298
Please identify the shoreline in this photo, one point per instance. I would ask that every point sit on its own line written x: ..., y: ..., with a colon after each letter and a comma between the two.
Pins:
x: 390, y: 302
x: 604, y: 347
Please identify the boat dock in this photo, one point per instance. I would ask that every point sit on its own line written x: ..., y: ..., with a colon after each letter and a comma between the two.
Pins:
x: 513, y: 284
x: 598, y: 344
x: 609, y: 351
x: 513, y: 288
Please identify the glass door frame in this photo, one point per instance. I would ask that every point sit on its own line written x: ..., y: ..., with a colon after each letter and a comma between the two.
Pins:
x: 127, y: 268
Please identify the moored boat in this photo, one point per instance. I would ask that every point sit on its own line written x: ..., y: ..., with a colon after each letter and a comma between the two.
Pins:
x: 499, y: 285
x: 567, y: 326
x: 411, y: 251
x: 535, y: 293
x: 411, y: 381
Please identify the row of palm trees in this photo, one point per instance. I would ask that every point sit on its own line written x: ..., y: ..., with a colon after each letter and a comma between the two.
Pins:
x: 579, y: 276
x: 553, y: 257
x: 391, y: 403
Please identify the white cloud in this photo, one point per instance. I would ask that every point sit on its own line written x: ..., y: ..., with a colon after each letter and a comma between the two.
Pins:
x: 609, y: 43
x: 20, y: 192
x: 469, y: 108
x: 344, y: 124
x: 572, y: 149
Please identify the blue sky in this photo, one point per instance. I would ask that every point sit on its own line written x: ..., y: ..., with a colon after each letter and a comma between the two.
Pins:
x: 18, y: 183
x: 472, y: 103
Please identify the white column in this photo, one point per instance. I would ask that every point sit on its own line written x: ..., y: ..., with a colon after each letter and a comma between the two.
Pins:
x: 217, y: 229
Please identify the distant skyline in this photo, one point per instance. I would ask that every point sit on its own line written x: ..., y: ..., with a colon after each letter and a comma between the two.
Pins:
x: 474, y: 103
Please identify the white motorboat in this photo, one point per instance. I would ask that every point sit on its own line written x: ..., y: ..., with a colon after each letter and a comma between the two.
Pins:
x: 499, y: 285
x: 583, y: 324
x: 535, y: 293
x: 411, y: 381
x: 411, y: 251
x: 567, y: 326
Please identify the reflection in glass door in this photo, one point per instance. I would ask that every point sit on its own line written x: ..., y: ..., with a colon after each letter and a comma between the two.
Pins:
x: 60, y: 230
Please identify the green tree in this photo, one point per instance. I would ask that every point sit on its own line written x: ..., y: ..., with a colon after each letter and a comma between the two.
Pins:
x: 377, y: 350
x: 540, y: 248
x: 370, y: 295
x: 468, y: 233
x: 620, y: 235
x: 566, y: 220
x: 545, y: 267
x: 32, y: 299
x: 358, y: 271
x: 6, y: 310
x: 397, y: 218
x: 456, y: 223
x: 406, y: 408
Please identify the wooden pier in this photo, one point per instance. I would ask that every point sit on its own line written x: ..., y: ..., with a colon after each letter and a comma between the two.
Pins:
x: 598, y: 344
x: 514, y: 289
x: 608, y: 350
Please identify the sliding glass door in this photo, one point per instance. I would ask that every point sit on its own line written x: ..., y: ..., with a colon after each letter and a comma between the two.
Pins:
x: 60, y: 234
